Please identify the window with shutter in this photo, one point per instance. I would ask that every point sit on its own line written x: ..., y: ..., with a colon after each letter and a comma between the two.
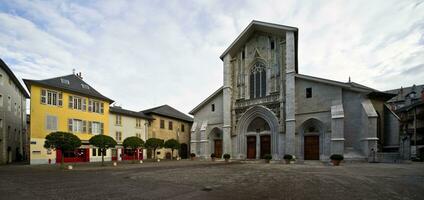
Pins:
x: 43, y: 96
x: 101, y: 128
x: 60, y: 99
x: 84, y: 104
x: 70, y: 125
x: 71, y: 102
x: 102, y: 108
x: 90, y: 130
x: 90, y: 105
x: 84, y: 126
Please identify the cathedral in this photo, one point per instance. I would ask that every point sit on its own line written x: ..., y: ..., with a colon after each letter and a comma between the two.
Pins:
x: 266, y: 107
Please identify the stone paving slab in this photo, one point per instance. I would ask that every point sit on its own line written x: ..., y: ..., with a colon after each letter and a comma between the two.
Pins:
x: 214, y: 180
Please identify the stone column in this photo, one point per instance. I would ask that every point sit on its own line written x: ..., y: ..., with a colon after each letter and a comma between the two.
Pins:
x: 258, y: 146
x: 193, y: 139
x: 203, y: 143
x: 369, y: 140
x: 337, y: 129
x: 290, y: 94
x: 227, y: 92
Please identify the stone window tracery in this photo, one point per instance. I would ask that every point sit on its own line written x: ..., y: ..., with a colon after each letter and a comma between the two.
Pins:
x: 257, y: 80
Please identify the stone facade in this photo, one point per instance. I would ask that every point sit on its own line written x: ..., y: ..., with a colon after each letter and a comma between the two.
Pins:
x: 13, y: 127
x: 269, y: 108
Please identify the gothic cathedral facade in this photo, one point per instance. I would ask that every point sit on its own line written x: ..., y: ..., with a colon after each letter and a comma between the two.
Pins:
x: 266, y: 107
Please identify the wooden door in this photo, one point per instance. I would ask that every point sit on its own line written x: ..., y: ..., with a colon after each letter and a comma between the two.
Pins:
x: 251, y: 147
x: 218, y: 148
x: 311, y: 147
x: 265, y: 145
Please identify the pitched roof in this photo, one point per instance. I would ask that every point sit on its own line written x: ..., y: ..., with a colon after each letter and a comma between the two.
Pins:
x: 168, y: 111
x: 195, y: 109
x: 350, y: 86
x: 119, y: 110
x: 263, y: 27
x: 13, y: 77
x: 402, y: 92
x: 75, y: 85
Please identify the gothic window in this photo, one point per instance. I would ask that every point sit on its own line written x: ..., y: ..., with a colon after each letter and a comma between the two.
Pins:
x: 257, y: 81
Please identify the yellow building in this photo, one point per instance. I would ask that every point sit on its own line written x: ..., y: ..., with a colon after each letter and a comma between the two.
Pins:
x: 68, y: 104
x: 169, y: 123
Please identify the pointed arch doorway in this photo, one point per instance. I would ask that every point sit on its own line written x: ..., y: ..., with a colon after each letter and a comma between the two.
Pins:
x: 257, y: 134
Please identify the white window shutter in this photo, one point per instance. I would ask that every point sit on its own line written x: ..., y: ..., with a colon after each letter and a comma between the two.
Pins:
x: 90, y: 129
x: 60, y: 99
x: 70, y: 125
x: 43, y: 96
x: 84, y: 104
x: 102, y: 108
x: 71, y: 102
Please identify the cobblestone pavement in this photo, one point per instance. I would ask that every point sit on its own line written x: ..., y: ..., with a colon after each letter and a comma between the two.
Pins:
x: 214, y: 180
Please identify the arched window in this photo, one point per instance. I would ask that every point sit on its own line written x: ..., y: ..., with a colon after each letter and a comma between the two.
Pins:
x: 257, y: 80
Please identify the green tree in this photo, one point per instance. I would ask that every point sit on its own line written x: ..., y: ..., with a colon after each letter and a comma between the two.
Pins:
x: 154, y: 143
x: 133, y: 143
x: 172, y: 144
x: 62, y: 140
x: 103, y: 142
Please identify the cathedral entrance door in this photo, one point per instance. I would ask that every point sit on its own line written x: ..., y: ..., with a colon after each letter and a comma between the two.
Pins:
x: 218, y: 148
x: 251, y: 147
x: 265, y: 145
x: 311, y: 147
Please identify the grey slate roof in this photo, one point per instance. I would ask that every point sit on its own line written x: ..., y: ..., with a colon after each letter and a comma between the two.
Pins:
x: 75, y: 86
x: 13, y: 77
x: 168, y: 111
x: 121, y: 111
x: 401, y: 93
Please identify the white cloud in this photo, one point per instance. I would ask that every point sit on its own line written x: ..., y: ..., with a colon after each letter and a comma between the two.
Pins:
x: 146, y: 53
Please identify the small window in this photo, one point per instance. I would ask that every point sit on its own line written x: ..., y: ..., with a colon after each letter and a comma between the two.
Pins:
x: 308, y: 92
x: 118, y: 120
x: 118, y: 136
x: 1, y: 123
x: 85, y: 86
x: 182, y: 128
x: 1, y: 100
x: 272, y: 44
x: 162, y: 123
x: 170, y: 125
x: 213, y: 107
x: 94, y: 152
x: 64, y: 81
x: 243, y: 54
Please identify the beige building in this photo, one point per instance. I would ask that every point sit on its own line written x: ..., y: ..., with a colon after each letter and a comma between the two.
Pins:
x: 169, y: 123
x: 13, y: 129
x: 123, y: 124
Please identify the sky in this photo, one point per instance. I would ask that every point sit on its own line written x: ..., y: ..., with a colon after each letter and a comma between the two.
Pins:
x: 144, y: 54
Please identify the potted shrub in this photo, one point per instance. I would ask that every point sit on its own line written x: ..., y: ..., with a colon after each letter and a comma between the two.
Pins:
x: 267, y: 157
x: 213, y: 156
x: 227, y: 157
x: 192, y: 156
x: 288, y: 158
x: 336, y: 159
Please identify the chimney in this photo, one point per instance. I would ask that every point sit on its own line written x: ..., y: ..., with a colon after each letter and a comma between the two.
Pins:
x: 79, y: 75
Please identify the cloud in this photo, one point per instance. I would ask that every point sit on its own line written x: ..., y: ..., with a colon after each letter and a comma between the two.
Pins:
x: 147, y: 53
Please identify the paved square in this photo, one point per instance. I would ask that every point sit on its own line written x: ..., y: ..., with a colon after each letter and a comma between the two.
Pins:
x: 207, y: 180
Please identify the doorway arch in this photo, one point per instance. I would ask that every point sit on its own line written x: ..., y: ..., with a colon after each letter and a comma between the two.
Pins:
x: 257, y: 124
x: 312, y: 139
x: 215, y: 141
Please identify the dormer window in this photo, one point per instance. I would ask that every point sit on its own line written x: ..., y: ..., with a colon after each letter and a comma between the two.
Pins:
x: 64, y: 81
x: 85, y: 86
